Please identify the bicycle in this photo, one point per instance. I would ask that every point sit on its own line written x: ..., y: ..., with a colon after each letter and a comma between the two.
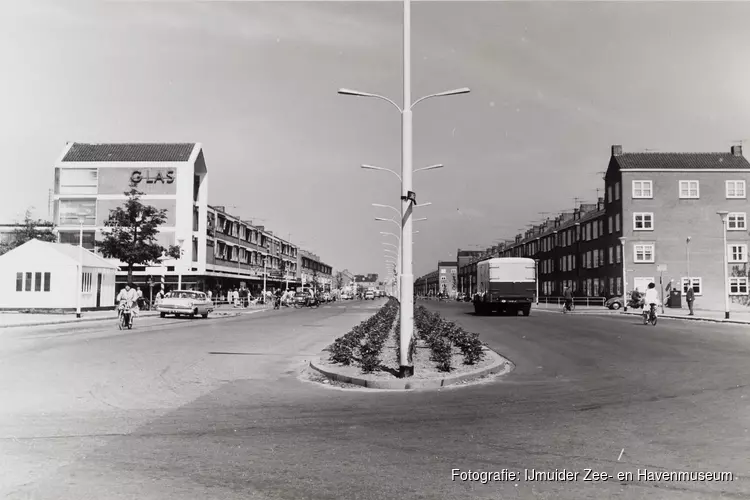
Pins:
x: 649, y: 316
x: 568, y: 308
x: 125, y: 317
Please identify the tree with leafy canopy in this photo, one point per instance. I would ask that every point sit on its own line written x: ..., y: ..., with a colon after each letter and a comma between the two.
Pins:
x: 28, y: 230
x: 339, y: 280
x: 132, y: 233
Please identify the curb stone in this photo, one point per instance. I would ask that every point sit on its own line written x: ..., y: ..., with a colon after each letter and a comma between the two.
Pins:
x: 90, y: 320
x: 500, y: 366
x: 694, y: 318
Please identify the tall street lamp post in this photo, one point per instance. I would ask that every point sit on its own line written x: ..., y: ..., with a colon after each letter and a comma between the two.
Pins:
x: 79, y: 292
x: 624, y: 275
x: 723, y: 214
x: 408, y: 197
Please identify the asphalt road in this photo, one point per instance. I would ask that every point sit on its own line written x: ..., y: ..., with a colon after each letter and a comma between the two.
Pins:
x: 193, y: 409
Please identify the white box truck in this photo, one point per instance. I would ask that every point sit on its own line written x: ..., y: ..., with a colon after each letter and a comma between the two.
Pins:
x: 505, y: 284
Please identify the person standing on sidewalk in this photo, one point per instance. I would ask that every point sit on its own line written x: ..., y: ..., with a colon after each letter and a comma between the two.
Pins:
x: 690, y: 298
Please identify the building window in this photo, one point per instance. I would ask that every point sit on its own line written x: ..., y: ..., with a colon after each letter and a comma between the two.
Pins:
x: 738, y: 253
x: 610, y: 224
x: 697, y: 285
x: 596, y: 230
x: 19, y: 282
x: 643, y: 221
x: 86, y: 283
x: 588, y: 232
x: 643, y: 252
x: 689, y: 189
x: 643, y: 189
x: 617, y: 222
x: 736, y: 189
x: 617, y: 190
x: 37, y: 282
x: 737, y: 286
x: 609, y: 194
x: 611, y: 286
x: 619, y: 285
x: 442, y: 271
x: 78, y: 181
x: 72, y: 212
x: 737, y: 221
x: 611, y: 255
x: 28, y: 282
x: 618, y: 254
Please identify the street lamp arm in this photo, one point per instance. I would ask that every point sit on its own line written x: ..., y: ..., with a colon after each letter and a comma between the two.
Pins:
x: 388, y: 220
x: 387, y: 206
x: 373, y: 167
x: 368, y: 94
x: 431, y: 167
x: 463, y: 90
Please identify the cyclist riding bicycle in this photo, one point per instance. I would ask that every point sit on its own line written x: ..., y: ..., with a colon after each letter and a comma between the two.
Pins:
x: 129, y: 296
x: 651, y: 298
x: 568, y: 295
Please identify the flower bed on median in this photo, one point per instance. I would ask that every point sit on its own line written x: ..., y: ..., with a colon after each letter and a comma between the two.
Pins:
x: 438, y: 348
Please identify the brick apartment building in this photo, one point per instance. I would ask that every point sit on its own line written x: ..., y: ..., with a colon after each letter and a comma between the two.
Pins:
x: 665, y: 207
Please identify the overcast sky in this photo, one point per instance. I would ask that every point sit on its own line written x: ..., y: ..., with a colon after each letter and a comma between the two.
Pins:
x: 553, y: 86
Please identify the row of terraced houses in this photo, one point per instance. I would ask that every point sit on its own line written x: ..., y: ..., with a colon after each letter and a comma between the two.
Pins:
x: 658, y: 221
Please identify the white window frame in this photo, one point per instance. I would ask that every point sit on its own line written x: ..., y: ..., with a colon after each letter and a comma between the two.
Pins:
x: 731, y: 250
x: 738, y: 282
x: 735, y: 184
x: 688, y: 188
x: 696, y: 282
x: 643, y: 250
x: 640, y: 186
x: 643, y: 216
x: 617, y: 190
x: 609, y: 194
x: 740, y: 221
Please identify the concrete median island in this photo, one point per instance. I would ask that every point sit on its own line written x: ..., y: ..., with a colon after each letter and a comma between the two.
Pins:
x: 442, y: 353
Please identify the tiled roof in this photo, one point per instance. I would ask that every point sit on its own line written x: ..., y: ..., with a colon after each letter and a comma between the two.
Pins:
x: 659, y: 161
x: 129, y: 152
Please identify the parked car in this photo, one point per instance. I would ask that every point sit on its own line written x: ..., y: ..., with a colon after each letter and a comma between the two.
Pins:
x: 369, y: 295
x: 614, y: 303
x: 185, y: 302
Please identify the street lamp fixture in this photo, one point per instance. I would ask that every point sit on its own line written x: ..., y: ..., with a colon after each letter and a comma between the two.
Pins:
x: 406, y: 368
x: 387, y: 220
x: 723, y: 214
x: 390, y: 244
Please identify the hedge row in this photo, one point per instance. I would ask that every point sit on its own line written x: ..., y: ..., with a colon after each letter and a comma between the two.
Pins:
x: 365, y: 342
x: 441, y: 335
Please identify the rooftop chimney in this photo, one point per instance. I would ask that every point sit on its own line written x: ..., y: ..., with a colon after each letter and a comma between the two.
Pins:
x: 736, y: 150
x: 600, y: 204
x: 616, y: 150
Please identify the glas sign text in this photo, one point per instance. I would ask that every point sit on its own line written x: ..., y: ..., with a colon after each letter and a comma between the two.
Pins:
x: 165, y: 177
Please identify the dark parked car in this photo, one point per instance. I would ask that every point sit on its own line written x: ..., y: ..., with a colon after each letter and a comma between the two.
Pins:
x: 614, y: 303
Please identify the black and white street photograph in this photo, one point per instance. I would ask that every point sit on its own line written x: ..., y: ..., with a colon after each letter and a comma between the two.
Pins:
x: 368, y: 250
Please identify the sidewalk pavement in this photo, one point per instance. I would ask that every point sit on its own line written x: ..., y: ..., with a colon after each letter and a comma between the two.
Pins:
x: 735, y: 316
x: 11, y: 319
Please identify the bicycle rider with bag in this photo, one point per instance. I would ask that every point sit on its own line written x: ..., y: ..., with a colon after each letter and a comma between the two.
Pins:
x: 651, y: 299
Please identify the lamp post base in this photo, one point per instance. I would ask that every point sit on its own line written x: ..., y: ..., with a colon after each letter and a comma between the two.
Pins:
x: 726, y: 314
x: 405, y: 371
x: 78, y: 315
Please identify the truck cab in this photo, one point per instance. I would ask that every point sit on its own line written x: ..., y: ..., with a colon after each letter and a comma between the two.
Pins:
x: 505, y: 285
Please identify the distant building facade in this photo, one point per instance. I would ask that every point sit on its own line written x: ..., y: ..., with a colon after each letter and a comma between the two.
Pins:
x: 220, y: 250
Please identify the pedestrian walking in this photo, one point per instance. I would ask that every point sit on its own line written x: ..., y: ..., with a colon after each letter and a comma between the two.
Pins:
x: 690, y: 298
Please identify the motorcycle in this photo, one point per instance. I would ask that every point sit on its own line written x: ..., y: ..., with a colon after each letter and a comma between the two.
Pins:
x: 126, y: 317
